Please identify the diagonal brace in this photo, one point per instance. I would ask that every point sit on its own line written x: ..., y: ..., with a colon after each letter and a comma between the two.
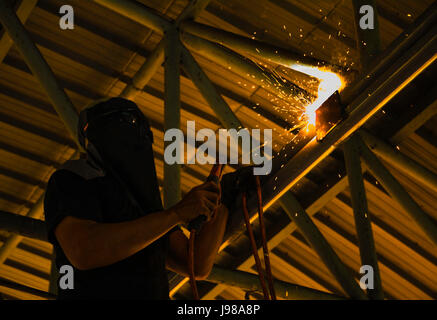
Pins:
x: 398, y: 193
x: 366, y: 242
x: 312, y: 234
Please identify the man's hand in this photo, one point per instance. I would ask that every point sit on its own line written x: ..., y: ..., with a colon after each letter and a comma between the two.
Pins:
x: 207, y: 243
x: 201, y: 200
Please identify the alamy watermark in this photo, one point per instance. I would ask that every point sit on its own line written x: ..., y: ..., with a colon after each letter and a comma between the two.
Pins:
x: 67, y: 20
x: 367, y: 20
x: 252, y: 152
x: 367, y: 280
x: 66, y: 279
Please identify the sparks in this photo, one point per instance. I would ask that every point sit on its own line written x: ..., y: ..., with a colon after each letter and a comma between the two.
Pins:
x: 329, y: 83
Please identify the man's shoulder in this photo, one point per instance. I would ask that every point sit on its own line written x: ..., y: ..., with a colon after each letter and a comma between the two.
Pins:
x: 67, y: 189
x: 83, y: 168
x: 76, y: 173
x: 64, y: 182
x: 65, y: 177
x: 68, y: 194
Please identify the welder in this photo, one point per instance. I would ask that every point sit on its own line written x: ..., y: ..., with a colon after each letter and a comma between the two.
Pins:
x: 105, y: 216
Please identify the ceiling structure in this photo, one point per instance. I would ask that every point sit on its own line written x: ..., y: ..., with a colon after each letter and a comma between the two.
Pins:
x: 104, y: 52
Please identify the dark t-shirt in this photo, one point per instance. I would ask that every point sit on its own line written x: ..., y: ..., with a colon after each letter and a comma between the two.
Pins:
x: 102, y: 199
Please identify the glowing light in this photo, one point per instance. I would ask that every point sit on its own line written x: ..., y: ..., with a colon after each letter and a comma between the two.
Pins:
x: 329, y: 83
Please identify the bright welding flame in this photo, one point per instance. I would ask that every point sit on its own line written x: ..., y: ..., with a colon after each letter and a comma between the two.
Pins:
x: 329, y: 83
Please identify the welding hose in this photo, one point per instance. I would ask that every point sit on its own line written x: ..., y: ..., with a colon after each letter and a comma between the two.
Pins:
x: 191, y: 264
x: 254, y: 247
x: 194, y: 226
x: 264, y: 241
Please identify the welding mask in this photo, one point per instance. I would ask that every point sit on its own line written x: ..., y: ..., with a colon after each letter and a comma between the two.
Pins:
x: 118, y: 139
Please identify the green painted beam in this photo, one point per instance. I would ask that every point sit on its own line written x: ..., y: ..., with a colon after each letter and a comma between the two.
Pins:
x: 249, y: 281
x: 363, y: 225
x: 368, y: 39
x: 40, y: 69
x: 398, y: 193
x: 172, y: 113
x: 23, y: 12
x: 309, y: 230
x: 399, y: 160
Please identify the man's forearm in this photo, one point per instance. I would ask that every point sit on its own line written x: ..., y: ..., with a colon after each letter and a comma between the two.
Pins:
x: 103, y: 244
x: 209, y: 240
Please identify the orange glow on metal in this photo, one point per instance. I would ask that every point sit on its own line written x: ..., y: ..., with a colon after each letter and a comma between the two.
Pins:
x: 329, y: 83
x: 391, y: 95
x: 330, y: 148
x: 313, y: 142
x: 177, y: 287
x: 350, y: 131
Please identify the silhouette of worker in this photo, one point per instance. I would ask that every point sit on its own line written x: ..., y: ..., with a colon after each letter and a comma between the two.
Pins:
x: 105, y: 217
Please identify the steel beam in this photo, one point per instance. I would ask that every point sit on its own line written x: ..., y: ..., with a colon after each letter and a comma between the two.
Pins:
x: 26, y: 289
x: 391, y: 54
x: 172, y: 113
x: 387, y: 13
x: 23, y: 225
x: 40, y: 69
x: 399, y: 75
x: 253, y: 47
x: 167, y: 47
x: 145, y: 73
x: 54, y: 275
x: 139, y: 13
x: 209, y: 92
x: 318, y: 242
x: 318, y: 21
x: 35, y: 212
x: 135, y: 11
x: 23, y: 12
x: 397, y: 67
x: 288, y: 229
x: 149, y: 68
x: 224, y: 113
x: 249, y: 281
x: 156, y: 57
x: 412, y: 58
x: 398, y: 193
x: 368, y: 40
x: 399, y: 160
x: 415, y: 123
x: 192, y: 10
x: 363, y: 225
x: 246, y: 68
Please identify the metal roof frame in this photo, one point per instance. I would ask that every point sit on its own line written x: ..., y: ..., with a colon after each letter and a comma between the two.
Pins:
x: 412, y: 57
